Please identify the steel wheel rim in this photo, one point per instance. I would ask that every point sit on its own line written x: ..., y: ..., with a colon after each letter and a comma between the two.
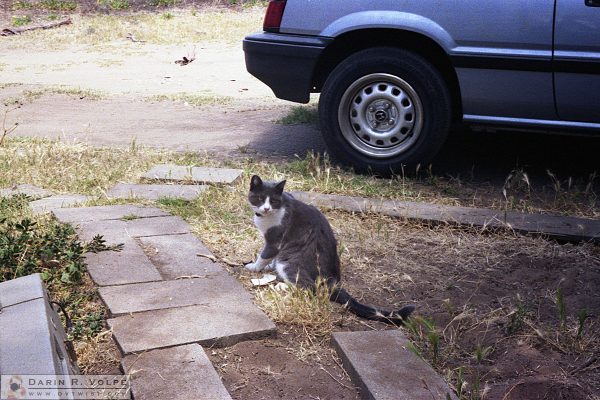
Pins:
x: 380, y: 115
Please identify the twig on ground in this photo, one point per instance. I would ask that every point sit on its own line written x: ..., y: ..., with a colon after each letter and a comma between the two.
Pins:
x: 223, y: 260
x: 7, y: 131
x: 335, y: 379
x: 131, y: 37
x: 209, y: 256
x: 17, y: 31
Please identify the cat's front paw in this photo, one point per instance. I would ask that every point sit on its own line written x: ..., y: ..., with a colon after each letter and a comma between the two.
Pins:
x: 254, y: 267
x: 270, y: 267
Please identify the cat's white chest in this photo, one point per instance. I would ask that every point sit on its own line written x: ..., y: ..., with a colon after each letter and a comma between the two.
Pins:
x: 266, y: 222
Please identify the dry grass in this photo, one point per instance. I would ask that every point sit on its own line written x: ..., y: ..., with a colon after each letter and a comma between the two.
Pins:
x: 294, y: 306
x: 74, y: 167
x: 98, y: 355
x: 210, y: 24
x: 30, y: 95
x: 193, y: 99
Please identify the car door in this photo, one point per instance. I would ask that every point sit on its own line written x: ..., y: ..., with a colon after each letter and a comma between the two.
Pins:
x: 576, y: 60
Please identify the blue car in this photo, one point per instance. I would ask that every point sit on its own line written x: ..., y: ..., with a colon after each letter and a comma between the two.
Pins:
x: 394, y: 75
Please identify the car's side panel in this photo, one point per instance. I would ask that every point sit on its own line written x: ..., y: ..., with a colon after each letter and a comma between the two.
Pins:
x: 510, y: 40
x: 507, y: 93
x: 577, y: 61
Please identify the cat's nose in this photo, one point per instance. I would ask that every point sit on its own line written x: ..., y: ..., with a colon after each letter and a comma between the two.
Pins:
x: 266, y: 209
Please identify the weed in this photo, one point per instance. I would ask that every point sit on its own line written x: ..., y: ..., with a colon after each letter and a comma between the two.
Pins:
x: 21, y: 5
x: 115, y: 4
x: 481, y: 352
x: 21, y: 20
x: 29, y: 95
x: 129, y: 217
x: 516, y: 318
x: 424, y: 331
x: 7, y: 130
x: 52, y: 17
x: 300, y: 115
x: 163, y: 3
x: 58, y: 5
x: 50, y: 249
x: 173, y: 202
x: 167, y: 15
x: 561, y: 308
x: 449, y: 306
x: 193, y: 99
x: 582, y: 316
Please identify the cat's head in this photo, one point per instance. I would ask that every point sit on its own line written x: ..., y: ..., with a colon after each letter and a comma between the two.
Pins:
x: 265, y: 197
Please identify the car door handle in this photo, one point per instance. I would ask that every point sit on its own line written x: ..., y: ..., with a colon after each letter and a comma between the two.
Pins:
x: 592, y: 3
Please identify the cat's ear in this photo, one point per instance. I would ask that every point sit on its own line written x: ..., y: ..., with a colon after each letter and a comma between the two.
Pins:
x: 255, y: 182
x: 279, y: 187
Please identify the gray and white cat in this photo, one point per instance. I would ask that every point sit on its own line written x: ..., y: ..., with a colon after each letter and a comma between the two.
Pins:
x: 301, y: 247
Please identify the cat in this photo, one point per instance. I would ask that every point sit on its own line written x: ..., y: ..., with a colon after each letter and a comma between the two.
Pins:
x: 301, y: 247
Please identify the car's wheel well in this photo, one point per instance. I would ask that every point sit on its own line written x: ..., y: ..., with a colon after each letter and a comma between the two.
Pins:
x: 351, y: 42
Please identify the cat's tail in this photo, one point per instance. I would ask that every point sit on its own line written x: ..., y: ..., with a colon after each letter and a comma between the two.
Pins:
x: 341, y: 296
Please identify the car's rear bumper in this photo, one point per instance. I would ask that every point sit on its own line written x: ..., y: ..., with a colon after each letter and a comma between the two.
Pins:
x: 284, y: 62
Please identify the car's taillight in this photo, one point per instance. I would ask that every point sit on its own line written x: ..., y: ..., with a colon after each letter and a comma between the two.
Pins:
x: 274, y: 15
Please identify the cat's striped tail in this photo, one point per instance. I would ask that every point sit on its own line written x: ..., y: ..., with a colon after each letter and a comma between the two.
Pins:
x: 341, y: 296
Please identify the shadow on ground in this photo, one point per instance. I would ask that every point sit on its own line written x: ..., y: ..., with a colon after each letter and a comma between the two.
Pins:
x: 481, y: 156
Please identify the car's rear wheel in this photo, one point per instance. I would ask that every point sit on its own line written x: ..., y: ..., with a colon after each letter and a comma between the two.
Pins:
x: 384, y: 109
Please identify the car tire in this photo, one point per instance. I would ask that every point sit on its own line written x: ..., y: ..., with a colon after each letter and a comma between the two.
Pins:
x: 384, y: 110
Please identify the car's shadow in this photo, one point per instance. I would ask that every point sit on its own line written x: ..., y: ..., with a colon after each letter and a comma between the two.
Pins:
x: 468, y: 155
x: 484, y: 156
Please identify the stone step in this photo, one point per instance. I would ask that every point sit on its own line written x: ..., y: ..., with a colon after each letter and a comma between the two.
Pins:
x: 156, y: 191
x: 178, y: 173
x: 176, y: 373
x: 553, y: 226
x: 130, y: 265
x: 384, y: 368
x: 116, y: 231
x: 221, y: 322
x: 26, y: 189
x: 213, y: 291
x: 102, y: 213
x: 51, y: 203
x: 176, y: 256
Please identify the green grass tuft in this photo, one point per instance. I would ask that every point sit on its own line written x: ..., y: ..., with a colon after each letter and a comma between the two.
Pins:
x: 21, y: 20
x: 300, y: 115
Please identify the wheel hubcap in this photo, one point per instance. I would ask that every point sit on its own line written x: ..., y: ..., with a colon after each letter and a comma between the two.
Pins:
x: 380, y: 115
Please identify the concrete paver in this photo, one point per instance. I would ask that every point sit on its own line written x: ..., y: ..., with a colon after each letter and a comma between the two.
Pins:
x: 101, y: 213
x: 176, y: 373
x: 554, y: 226
x: 215, y: 289
x: 384, y: 368
x: 130, y: 265
x: 114, y: 231
x: 156, y: 191
x: 48, y: 204
x: 26, y: 189
x: 216, y: 323
x: 176, y: 256
x: 171, y: 172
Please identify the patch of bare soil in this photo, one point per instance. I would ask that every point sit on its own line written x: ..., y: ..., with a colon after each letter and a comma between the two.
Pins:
x: 269, y: 369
